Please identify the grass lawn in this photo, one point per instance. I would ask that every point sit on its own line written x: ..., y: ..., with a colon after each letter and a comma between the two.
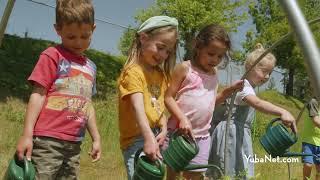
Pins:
x: 111, y: 164
x: 109, y: 167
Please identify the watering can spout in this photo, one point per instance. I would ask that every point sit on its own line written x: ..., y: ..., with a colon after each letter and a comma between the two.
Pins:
x: 295, y: 154
x: 201, y: 166
x: 197, y: 166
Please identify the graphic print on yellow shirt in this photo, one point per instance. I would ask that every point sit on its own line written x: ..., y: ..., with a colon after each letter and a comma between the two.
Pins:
x: 152, y: 85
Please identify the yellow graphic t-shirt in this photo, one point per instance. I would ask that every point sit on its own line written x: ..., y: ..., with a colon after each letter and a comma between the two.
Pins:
x: 153, y: 86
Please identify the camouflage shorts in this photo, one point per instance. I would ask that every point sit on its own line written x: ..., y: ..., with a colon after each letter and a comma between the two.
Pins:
x: 56, y: 159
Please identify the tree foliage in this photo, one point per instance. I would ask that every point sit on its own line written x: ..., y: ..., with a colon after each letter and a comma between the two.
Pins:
x: 125, y: 40
x: 192, y: 16
x: 271, y: 24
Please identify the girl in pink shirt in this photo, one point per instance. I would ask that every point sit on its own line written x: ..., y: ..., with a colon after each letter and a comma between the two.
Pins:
x: 192, y: 94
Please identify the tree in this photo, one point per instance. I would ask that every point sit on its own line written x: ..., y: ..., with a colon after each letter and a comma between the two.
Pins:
x: 125, y: 40
x: 193, y: 15
x: 271, y: 23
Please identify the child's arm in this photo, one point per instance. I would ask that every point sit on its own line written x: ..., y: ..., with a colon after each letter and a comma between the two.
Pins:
x: 316, y: 121
x: 95, y: 136
x: 236, y: 86
x: 178, y: 76
x: 34, y: 107
x: 163, y: 124
x: 267, y: 107
x: 314, y: 112
x: 151, y: 147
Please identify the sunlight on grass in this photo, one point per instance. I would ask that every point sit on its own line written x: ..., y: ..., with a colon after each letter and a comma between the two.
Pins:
x: 111, y: 165
x: 11, y: 118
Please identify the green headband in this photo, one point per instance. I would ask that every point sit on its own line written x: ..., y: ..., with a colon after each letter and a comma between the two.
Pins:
x: 157, y: 22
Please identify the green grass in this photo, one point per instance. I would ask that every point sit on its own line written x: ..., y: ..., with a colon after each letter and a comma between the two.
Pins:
x: 109, y: 167
x: 111, y: 164
x: 11, y: 121
x: 18, y: 56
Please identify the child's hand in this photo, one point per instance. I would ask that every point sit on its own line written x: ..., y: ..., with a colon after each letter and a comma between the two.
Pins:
x: 288, y: 119
x: 95, y: 151
x: 237, y: 85
x: 151, y: 148
x: 24, y: 146
x: 185, y: 127
x: 161, y: 136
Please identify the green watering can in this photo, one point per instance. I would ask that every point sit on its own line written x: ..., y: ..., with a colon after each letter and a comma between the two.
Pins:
x: 145, y: 169
x: 20, y: 169
x: 181, y: 150
x: 277, y: 140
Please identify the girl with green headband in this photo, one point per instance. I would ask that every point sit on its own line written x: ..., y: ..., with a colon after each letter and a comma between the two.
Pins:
x: 142, y: 84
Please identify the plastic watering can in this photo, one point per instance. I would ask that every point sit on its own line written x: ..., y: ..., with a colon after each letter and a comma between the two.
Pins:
x: 181, y: 150
x: 145, y: 169
x: 277, y: 140
x: 20, y: 170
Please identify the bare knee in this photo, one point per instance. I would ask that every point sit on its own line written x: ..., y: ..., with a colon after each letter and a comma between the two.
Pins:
x: 307, y: 170
x: 171, y: 174
x: 190, y: 175
x: 307, y: 166
x: 318, y: 168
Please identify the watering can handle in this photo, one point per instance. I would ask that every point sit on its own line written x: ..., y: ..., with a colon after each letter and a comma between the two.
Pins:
x: 193, y: 141
x: 27, y: 169
x: 189, y: 137
x: 136, y: 157
x: 293, y: 125
x: 158, y: 162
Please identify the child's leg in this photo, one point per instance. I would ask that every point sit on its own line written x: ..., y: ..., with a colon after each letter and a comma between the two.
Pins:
x: 307, y: 171
x: 190, y: 175
x: 214, y: 155
x: 128, y: 156
x: 317, y: 171
x: 46, y: 157
x: 317, y: 162
x: 171, y: 174
x: 71, y: 163
x: 200, y: 159
x: 308, y: 161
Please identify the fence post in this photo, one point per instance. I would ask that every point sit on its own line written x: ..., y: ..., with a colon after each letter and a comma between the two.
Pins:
x: 5, y: 18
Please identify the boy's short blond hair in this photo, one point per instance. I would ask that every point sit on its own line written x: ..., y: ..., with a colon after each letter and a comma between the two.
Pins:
x: 74, y: 11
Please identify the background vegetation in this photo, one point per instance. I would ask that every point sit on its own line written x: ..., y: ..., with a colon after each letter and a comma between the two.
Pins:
x: 192, y: 16
x: 271, y: 24
x: 17, y: 58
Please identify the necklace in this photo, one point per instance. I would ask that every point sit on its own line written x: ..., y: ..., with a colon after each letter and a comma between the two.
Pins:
x: 154, y: 88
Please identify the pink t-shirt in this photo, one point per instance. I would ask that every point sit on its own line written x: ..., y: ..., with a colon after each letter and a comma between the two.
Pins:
x: 196, y: 98
x: 70, y: 83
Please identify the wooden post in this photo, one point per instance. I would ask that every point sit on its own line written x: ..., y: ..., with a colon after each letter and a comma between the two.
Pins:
x: 5, y: 18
